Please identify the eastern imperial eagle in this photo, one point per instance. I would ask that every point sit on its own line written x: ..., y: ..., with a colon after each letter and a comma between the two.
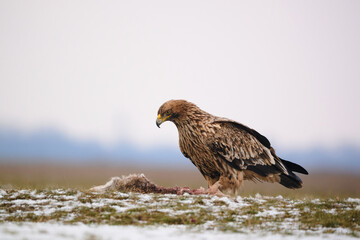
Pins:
x: 226, y: 152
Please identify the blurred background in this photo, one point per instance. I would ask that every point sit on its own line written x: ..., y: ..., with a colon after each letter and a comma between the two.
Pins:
x: 81, y: 83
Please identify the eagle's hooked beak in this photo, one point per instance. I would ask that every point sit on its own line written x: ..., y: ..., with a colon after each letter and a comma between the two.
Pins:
x: 159, y: 120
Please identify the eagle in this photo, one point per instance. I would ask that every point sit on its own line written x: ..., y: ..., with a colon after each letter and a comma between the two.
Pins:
x: 226, y: 152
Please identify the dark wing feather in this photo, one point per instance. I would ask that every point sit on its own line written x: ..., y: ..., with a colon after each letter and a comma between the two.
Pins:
x: 262, y: 139
x: 237, y: 145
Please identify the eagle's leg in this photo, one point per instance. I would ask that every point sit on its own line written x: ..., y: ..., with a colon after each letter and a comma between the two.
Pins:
x: 215, y: 190
x: 212, y: 190
x: 227, y: 184
x: 231, y: 182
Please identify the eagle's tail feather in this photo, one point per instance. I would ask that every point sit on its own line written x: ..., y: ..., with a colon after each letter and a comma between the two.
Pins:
x: 290, y: 181
x: 294, y: 167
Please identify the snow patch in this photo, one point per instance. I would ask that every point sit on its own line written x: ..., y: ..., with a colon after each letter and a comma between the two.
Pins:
x: 55, y: 231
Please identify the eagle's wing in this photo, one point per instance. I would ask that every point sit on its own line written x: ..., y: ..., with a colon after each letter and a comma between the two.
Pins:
x: 245, y: 149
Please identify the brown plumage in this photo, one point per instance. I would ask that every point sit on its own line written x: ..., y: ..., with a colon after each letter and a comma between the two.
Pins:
x: 226, y: 152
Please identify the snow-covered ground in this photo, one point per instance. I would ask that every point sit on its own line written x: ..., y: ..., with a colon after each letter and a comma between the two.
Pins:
x: 70, y: 214
x: 56, y: 231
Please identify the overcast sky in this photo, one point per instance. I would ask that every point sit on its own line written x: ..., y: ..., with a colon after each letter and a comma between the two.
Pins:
x: 100, y: 69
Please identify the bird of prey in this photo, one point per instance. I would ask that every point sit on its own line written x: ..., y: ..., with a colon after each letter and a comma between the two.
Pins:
x: 226, y: 152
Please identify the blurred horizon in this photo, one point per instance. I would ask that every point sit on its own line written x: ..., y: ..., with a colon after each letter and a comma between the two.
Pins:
x: 51, y: 146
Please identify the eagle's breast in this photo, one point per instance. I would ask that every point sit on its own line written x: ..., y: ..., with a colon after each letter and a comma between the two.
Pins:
x: 193, y: 141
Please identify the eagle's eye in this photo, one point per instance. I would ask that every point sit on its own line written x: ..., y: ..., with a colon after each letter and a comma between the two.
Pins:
x: 168, y: 112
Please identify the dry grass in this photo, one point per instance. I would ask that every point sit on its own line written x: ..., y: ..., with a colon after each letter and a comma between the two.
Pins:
x: 40, y: 176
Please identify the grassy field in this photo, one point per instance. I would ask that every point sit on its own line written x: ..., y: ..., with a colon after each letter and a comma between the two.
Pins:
x: 52, y: 201
x: 244, y: 215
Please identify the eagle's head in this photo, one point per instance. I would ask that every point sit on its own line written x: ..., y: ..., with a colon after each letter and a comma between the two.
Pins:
x: 173, y: 110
